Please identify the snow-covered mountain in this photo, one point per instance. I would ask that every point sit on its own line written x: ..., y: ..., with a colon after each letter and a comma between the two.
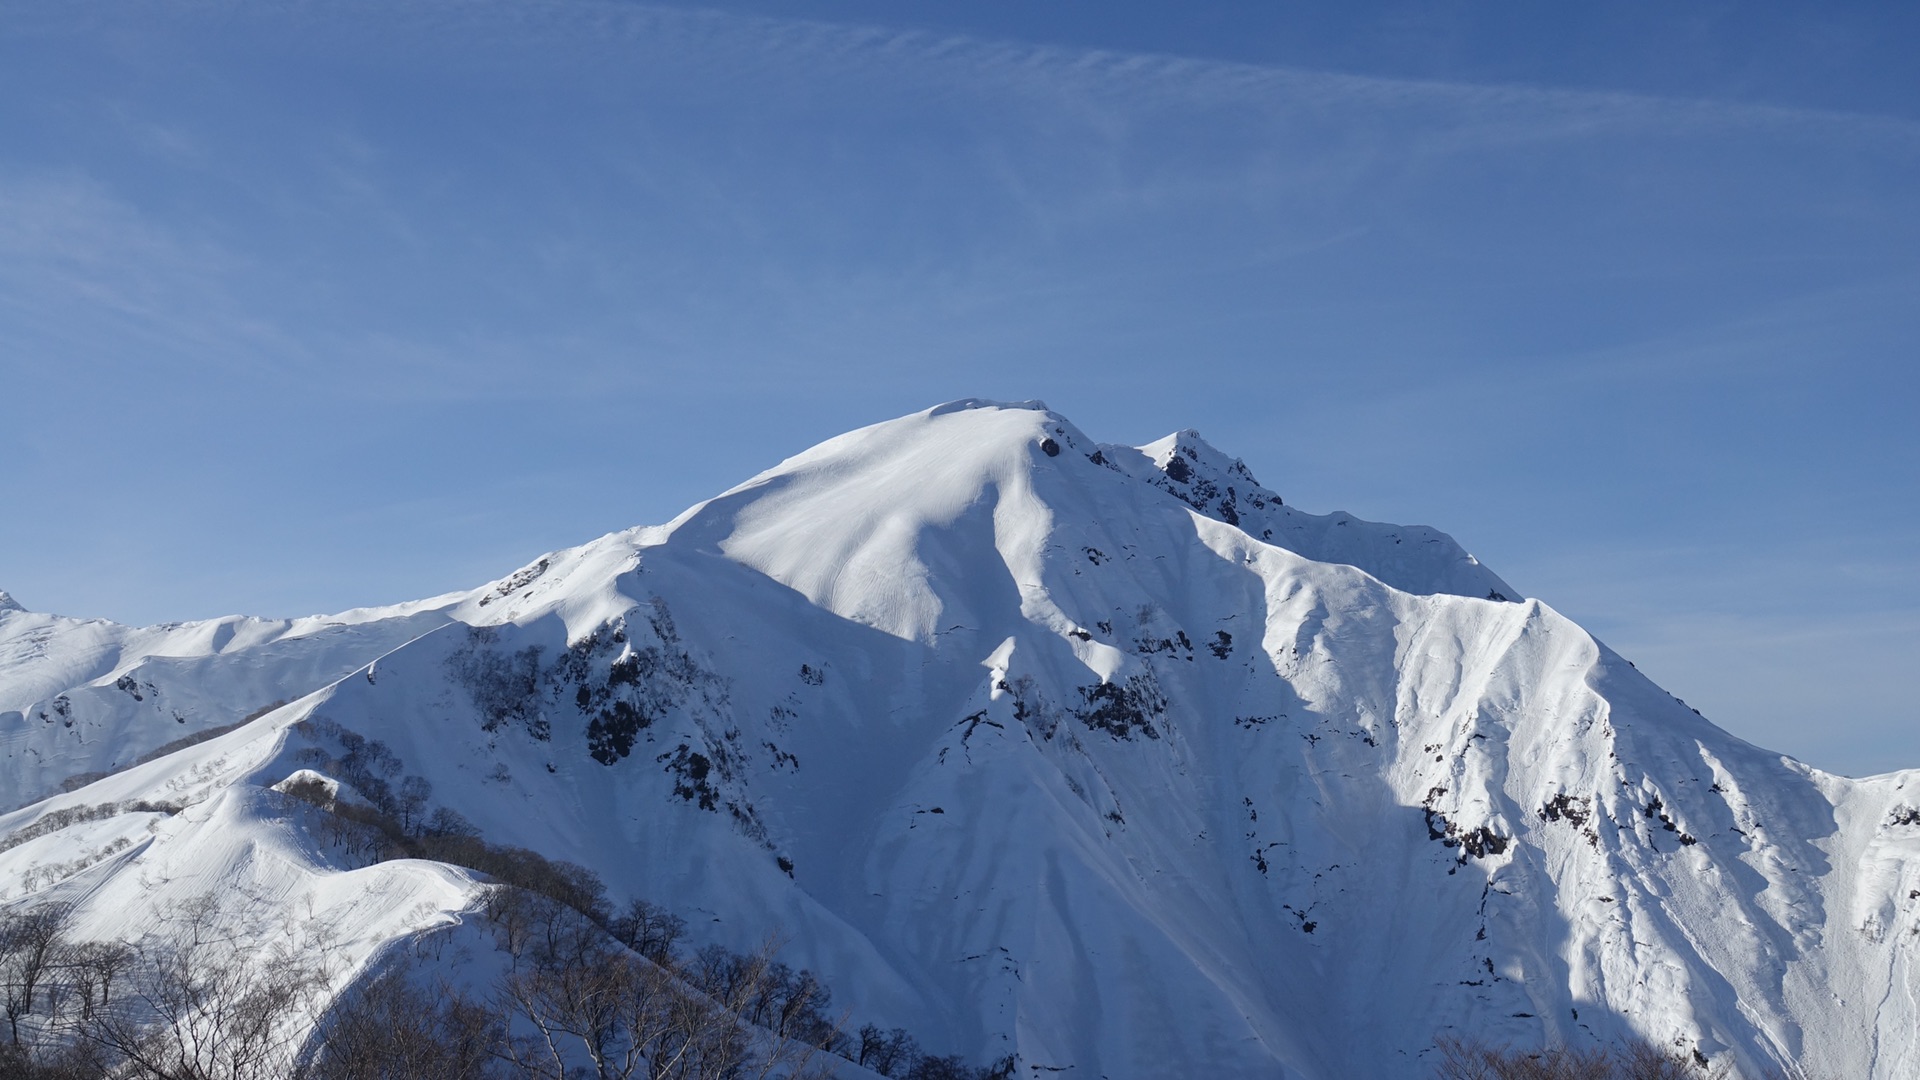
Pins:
x: 1097, y: 755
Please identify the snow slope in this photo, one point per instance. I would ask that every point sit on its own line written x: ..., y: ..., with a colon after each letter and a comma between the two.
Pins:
x: 80, y: 696
x: 1097, y: 755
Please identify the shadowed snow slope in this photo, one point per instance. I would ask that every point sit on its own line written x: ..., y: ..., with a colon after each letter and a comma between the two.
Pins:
x: 1096, y: 755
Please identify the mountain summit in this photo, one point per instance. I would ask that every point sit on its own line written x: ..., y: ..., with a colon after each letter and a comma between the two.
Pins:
x: 1099, y: 756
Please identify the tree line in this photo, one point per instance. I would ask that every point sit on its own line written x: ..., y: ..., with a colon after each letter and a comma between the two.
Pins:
x: 394, y: 822
x: 587, y: 989
x: 618, y: 1000
x: 1634, y: 1059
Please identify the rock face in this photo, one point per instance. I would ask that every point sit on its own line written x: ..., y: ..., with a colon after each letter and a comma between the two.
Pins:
x: 1097, y: 755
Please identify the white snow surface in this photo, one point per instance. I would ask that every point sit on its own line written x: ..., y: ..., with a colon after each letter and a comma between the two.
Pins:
x: 1117, y: 764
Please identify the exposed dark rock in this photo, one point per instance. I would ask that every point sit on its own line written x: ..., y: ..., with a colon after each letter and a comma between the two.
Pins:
x: 520, y: 580
x: 1119, y: 709
x: 1479, y: 842
x: 612, y: 731
x: 1575, y: 810
x: 781, y: 757
x: 1222, y: 646
x: 690, y: 769
x: 1657, y: 808
x: 504, y: 686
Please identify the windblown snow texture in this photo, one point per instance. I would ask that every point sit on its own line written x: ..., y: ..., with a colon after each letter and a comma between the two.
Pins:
x: 1097, y: 755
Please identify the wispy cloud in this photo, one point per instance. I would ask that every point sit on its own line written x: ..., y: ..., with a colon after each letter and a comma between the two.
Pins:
x: 87, y: 276
x: 746, y: 48
x: 1077, y: 145
x: 757, y: 46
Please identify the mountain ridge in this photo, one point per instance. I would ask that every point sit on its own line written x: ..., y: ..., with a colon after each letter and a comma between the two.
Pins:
x: 1038, y: 747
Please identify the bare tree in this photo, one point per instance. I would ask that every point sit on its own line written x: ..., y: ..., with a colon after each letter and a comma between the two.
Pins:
x: 60, y: 1061
x: 1640, y: 1060
x: 1466, y: 1059
x: 522, y: 919
x: 212, y: 1002
x: 410, y: 802
x: 389, y: 1028
x: 580, y: 1007
x: 649, y: 929
x: 91, y: 968
x: 32, y: 948
x: 889, y: 1053
x: 709, y: 1037
x: 581, y: 995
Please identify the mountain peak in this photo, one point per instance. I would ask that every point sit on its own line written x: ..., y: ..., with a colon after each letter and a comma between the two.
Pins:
x: 964, y: 404
x: 1203, y: 477
x: 8, y: 603
x: 1185, y: 450
x: 975, y: 491
x: 1412, y: 558
x: 970, y: 487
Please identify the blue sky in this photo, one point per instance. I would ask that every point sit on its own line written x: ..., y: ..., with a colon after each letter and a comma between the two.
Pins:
x: 307, y: 306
